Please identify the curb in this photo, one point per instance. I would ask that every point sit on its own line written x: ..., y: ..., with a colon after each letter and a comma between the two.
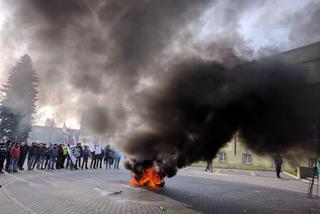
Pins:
x: 293, y: 176
x: 297, y: 178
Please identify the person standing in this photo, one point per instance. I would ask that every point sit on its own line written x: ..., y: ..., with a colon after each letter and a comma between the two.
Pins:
x: 100, y: 160
x: 42, y: 156
x: 93, y: 158
x: 278, y: 163
x: 14, y: 157
x: 37, y: 155
x: 60, y: 157
x: 32, y: 155
x: 47, y: 156
x: 8, y: 146
x: 85, y: 155
x: 97, y: 156
x: 76, y: 153
x: 109, y: 157
x: 53, y: 156
x: 81, y: 154
x: 3, y: 153
x: 68, y: 157
x: 23, y: 155
x: 209, y: 166
x: 117, y: 158
x: 65, y: 155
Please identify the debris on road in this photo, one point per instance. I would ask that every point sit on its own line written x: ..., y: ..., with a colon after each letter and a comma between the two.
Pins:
x: 116, y: 193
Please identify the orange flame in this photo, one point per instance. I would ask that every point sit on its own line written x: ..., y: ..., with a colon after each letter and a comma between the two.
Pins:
x: 150, y: 177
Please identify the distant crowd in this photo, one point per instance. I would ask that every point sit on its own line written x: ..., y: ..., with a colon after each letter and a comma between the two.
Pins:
x: 40, y: 156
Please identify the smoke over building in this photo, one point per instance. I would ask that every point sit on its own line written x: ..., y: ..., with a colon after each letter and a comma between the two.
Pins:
x: 175, y: 95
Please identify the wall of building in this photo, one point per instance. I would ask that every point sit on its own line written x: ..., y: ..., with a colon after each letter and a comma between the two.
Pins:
x: 235, y: 152
x: 48, y: 135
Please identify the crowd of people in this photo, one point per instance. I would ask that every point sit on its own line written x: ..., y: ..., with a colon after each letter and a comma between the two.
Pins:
x: 40, y: 156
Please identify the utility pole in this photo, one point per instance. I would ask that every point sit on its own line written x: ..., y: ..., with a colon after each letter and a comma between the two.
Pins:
x: 315, y: 167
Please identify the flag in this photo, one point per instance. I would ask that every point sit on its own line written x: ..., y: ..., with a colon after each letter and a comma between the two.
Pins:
x: 65, y: 141
x: 74, y: 138
x: 65, y: 129
x: 91, y: 147
x: 98, y: 149
x: 71, y: 155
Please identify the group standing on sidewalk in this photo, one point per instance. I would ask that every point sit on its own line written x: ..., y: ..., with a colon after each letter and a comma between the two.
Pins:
x: 41, y: 156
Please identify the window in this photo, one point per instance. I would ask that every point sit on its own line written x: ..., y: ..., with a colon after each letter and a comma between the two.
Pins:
x: 246, y: 159
x: 222, y: 157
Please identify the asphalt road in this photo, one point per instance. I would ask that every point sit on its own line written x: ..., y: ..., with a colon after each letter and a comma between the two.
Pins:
x: 191, y: 191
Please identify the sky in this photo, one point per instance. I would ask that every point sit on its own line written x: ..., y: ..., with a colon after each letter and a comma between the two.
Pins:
x: 262, y: 27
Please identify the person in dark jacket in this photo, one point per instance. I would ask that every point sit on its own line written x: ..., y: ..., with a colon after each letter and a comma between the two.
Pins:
x: 101, y: 156
x: 3, y: 153
x: 85, y: 155
x: 47, y: 156
x: 209, y: 166
x: 60, y: 157
x: 8, y: 146
x: 37, y: 155
x: 278, y: 163
x: 14, y: 157
x: 81, y: 154
x: 32, y: 155
x: 23, y: 155
x: 42, y: 156
x: 93, y: 160
x: 109, y: 157
x: 53, y: 156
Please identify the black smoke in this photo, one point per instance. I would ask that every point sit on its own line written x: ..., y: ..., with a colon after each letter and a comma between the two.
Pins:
x: 199, y: 105
x: 99, y: 51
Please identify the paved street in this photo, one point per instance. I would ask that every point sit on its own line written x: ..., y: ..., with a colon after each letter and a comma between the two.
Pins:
x: 192, y: 191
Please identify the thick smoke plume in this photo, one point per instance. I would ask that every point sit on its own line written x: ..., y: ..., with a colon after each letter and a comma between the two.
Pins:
x: 173, y: 86
x: 199, y: 105
x: 98, y: 50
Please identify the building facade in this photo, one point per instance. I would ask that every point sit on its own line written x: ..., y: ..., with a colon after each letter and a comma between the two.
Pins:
x: 45, y: 134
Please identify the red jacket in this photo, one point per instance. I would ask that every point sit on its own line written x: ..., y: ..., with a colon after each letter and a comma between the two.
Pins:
x: 15, y: 152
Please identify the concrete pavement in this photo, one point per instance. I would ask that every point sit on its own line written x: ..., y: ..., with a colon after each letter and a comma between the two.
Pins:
x: 191, y: 191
